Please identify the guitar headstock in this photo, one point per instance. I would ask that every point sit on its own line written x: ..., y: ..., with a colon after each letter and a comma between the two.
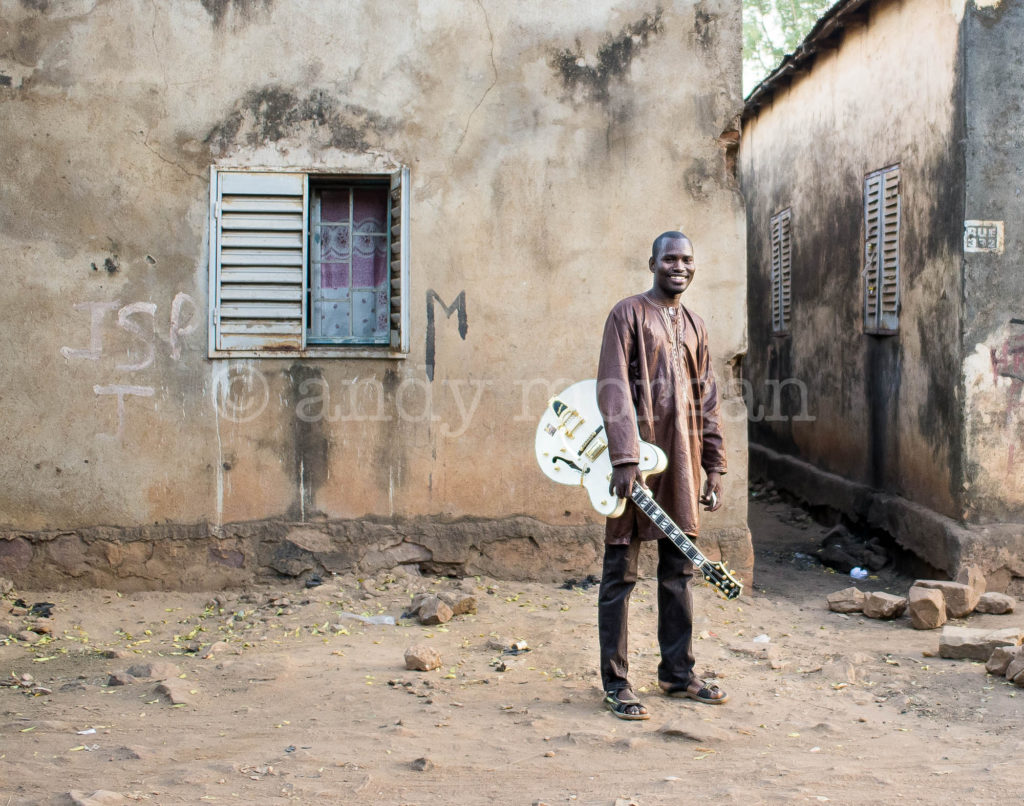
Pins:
x: 726, y: 585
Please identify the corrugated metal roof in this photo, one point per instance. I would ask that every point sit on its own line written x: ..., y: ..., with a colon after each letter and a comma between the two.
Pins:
x: 823, y: 36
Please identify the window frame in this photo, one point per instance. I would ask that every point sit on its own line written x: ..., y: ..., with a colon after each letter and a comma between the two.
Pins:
x: 781, y: 240
x: 880, y: 309
x: 398, y: 266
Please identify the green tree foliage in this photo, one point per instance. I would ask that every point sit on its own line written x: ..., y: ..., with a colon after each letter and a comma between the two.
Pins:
x: 773, y: 28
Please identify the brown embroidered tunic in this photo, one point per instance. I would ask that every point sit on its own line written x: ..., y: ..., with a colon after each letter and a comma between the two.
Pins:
x: 655, y: 376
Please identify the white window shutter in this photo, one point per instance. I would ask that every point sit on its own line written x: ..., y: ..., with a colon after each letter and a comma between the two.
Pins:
x: 398, y: 260
x: 889, y: 261
x: 258, y: 247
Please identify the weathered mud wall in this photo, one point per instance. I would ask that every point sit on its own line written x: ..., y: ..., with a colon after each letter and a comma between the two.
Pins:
x: 882, y: 411
x: 546, y: 147
x: 993, y: 335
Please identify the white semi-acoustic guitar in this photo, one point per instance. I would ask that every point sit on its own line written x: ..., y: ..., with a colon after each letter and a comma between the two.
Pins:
x: 572, y: 449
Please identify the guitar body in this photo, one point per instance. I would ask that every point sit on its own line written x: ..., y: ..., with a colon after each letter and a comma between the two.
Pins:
x: 572, y: 448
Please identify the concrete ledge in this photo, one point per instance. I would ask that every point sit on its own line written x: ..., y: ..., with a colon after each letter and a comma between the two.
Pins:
x: 998, y: 549
x: 206, y: 557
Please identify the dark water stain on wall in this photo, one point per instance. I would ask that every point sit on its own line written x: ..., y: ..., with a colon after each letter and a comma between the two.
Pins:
x: 884, y: 376
x: 614, y: 57
x: 705, y: 26
x: 218, y: 9
x: 41, y: 6
x: 272, y: 113
x: 310, y: 440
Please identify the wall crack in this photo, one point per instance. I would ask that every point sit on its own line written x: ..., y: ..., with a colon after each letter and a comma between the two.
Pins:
x: 494, y: 80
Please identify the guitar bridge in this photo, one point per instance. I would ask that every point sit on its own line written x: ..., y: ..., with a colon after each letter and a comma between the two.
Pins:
x: 568, y: 419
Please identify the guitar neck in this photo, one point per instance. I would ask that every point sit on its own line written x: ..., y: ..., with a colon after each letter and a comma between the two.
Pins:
x: 650, y: 507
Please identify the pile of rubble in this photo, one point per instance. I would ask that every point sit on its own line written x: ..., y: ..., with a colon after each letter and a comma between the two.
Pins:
x: 932, y: 602
x: 999, y: 650
x: 439, y: 608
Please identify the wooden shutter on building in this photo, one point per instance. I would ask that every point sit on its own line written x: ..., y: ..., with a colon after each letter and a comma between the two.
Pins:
x: 258, y: 242
x: 882, y: 251
x: 398, y: 260
x: 782, y: 264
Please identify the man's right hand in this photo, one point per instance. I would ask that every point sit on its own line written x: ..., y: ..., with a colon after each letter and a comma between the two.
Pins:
x: 623, y: 477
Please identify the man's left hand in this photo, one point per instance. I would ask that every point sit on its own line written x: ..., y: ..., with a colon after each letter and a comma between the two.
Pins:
x: 713, y: 484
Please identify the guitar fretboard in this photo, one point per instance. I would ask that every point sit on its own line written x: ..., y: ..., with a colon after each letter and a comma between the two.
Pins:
x: 657, y: 515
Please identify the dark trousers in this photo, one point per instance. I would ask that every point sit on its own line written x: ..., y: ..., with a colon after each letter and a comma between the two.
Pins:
x: 675, y: 613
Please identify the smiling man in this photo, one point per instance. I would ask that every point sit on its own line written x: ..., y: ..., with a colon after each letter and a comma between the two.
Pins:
x: 655, y: 381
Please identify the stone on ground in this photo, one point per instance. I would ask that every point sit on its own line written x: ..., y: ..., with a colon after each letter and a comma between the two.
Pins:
x: 422, y: 658
x: 972, y: 576
x: 960, y: 599
x: 176, y: 692
x: 214, y: 648
x: 1000, y: 659
x: 460, y: 603
x: 884, y: 605
x: 848, y: 600
x: 1015, y: 667
x: 154, y: 670
x: 997, y: 604
x: 434, y: 611
x: 418, y: 600
x: 976, y: 644
x: 121, y: 678
x: 927, y: 608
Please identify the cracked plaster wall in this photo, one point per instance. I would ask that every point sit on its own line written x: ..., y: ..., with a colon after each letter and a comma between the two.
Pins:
x: 547, y: 148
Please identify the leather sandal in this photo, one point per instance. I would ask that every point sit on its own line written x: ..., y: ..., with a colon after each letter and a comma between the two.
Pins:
x: 708, y: 693
x: 620, y: 706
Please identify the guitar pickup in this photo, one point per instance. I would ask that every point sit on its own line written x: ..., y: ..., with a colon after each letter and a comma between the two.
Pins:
x: 587, y: 442
x: 595, y: 450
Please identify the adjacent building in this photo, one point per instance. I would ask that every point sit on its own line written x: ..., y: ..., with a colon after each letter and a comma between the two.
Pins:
x: 883, y: 170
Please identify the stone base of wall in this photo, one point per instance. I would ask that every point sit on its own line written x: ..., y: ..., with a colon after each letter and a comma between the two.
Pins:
x: 204, y: 557
x: 998, y: 549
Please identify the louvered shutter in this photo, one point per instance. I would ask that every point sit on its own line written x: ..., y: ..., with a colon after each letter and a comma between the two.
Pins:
x: 881, y: 250
x: 398, y: 260
x: 776, y: 275
x: 782, y: 263
x: 258, y: 245
x: 889, y: 263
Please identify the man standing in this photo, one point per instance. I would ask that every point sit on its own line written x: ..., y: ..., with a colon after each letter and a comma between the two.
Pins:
x: 655, y: 380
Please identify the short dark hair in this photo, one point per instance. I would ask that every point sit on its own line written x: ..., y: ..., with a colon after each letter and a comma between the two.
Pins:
x: 665, y: 236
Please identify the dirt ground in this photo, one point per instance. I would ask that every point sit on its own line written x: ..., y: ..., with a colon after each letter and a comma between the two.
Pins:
x: 303, y: 704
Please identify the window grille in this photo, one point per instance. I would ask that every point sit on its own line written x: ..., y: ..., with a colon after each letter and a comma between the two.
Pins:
x: 308, y: 264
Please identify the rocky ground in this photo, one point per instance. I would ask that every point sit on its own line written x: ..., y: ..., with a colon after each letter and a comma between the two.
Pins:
x: 294, y: 695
